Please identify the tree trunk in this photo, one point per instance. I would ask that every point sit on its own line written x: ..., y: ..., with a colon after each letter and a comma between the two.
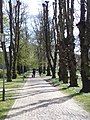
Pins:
x: 11, y: 39
x: 3, y: 45
x: 50, y: 59
x: 71, y: 46
x: 84, y: 29
x: 62, y: 51
x: 10, y: 66
x: 16, y: 39
x: 48, y: 71
x: 14, y: 68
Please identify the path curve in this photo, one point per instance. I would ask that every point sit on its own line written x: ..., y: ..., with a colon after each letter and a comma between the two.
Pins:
x: 38, y: 100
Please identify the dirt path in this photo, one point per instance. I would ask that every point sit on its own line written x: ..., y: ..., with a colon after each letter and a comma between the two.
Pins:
x: 38, y: 100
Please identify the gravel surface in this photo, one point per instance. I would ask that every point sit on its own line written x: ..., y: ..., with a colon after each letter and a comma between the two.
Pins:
x: 38, y: 100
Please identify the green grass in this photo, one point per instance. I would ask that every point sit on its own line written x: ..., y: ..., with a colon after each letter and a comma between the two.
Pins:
x: 82, y: 99
x: 10, y: 92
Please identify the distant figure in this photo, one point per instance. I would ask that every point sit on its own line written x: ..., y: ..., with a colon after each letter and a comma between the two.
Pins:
x: 40, y: 70
x: 33, y: 72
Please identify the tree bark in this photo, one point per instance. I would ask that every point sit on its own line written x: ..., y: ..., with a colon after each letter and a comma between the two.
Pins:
x: 70, y: 44
x: 16, y: 39
x: 3, y: 45
x: 11, y: 39
x: 62, y: 52
x: 84, y: 29
x: 51, y: 60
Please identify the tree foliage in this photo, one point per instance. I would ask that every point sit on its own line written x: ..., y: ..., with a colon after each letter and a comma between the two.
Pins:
x: 27, y: 54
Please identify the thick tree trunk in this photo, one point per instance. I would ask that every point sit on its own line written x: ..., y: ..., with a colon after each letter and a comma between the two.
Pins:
x: 72, y: 66
x: 63, y: 73
x: 16, y: 39
x: 9, y: 75
x: 84, y: 29
x: 53, y: 72
x: 48, y: 71
x: 62, y: 52
x: 70, y: 45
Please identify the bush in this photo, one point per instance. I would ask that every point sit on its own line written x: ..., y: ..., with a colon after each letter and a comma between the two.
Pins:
x: 1, y: 73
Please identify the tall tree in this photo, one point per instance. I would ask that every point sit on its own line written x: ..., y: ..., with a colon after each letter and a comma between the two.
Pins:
x: 62, y: 47
x: 51, y: 56
x: 70, y: 43
x: 45, y: 20
x: 11, y: 37
x: 84, y: 29
x: 3, y: 42
x: 16, y: 39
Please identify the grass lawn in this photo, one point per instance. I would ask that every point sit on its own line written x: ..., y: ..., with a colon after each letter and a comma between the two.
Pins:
x: 82, y: 99
x: 10, y: 92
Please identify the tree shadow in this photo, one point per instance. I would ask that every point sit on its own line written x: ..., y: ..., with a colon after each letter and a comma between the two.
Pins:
x: 30, y: 93
x: 64, y: 88
x: 41, y: 104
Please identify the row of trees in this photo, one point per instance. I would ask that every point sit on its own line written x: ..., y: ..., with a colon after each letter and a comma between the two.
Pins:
x: 56, y: 39
x: 13, y: 22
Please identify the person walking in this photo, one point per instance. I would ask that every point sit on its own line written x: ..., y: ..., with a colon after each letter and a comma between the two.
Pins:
x: 40, y: 71
x: 33, y: 72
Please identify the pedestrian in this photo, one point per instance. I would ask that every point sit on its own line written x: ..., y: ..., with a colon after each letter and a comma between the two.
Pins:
x: 33, y: 72
x: 40, y: 70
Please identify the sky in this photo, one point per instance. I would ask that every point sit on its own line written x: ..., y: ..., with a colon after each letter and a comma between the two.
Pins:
x: 35, y: 5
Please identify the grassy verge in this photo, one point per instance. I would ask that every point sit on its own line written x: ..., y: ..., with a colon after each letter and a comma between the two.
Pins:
x: 82, y: 99
x: 10, y: 88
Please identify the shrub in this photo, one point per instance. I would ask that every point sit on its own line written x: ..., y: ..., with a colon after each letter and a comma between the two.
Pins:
x: 1, y: 73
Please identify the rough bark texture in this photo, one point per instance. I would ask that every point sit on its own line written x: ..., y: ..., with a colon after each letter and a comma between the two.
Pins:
x: 84, y: 28
x: 62, y: 52
x: 70, y: 44
x: 16, y: 40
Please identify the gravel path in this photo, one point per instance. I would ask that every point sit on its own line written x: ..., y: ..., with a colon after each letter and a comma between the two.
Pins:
x: 38, y: 100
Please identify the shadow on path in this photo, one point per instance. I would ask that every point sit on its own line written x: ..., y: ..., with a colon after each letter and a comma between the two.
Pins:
x: 41, y: 104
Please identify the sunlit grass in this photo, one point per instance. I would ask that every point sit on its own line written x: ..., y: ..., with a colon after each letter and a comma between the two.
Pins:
x: 82, y: 99
x: 10, y: 88
x: 5, y: 107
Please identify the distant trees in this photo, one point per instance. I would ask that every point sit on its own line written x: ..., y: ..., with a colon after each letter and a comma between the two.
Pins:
x: 26, y: 56
x: 40, y: 43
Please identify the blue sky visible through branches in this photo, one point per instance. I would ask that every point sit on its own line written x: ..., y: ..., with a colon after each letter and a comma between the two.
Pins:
x: 35, y: 6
